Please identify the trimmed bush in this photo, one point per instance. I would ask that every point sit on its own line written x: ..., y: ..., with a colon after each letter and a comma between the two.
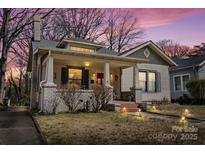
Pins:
x: 196, y: 88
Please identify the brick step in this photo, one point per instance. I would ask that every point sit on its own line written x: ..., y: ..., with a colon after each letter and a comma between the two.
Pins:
x: 129, y: 107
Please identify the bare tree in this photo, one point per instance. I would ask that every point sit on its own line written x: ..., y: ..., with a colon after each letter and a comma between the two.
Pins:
x: 172, y: 48
x: 12, y: 23
x: 80, y: 23
x: 121, y: 30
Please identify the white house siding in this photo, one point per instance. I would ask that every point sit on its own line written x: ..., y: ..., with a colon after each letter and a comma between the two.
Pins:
x: 127, y: 81
x: 202, y: 72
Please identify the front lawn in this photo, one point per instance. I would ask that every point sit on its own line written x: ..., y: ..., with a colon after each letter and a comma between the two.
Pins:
x: 108, y: 128
x: 195, y: 111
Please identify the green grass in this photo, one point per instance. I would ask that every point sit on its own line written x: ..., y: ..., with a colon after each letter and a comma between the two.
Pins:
x: 104, y: 128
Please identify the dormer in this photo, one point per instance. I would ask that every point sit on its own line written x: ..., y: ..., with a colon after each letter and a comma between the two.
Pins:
x: 79, y: 45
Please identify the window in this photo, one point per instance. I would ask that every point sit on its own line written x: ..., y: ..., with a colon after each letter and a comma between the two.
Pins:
x: 81, y: 49
x: 177, y: 81
x: 152, y: 81
x: 147, y: 81
x: 143, y: 80
x: 75, y: 76
x: 180, y: 82
x: 185, y: 79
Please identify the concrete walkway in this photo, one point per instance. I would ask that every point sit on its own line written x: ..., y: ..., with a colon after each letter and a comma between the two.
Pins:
x: 17, y: 127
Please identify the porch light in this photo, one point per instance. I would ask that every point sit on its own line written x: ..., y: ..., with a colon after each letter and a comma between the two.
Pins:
x: 87, y: 64
x: 111, y: 76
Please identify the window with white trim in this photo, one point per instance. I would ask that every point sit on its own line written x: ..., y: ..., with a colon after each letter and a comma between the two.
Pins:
x: 180, y: 82
x: 152, y: 81
x: 148, y: 81
x: 143, y: 80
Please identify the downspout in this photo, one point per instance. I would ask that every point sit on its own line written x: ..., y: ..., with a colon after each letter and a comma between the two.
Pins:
x: 41, y: 85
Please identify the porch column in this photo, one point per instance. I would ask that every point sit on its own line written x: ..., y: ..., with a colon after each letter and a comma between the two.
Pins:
x: 136, y: 88
x: 135, y: 77
x: 49, y: 88
x: 49, y: 71
x: 107, y: 74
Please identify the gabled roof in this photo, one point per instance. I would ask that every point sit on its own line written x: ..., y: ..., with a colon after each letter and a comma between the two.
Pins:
x: 154, y: 47
x: 196, y: 60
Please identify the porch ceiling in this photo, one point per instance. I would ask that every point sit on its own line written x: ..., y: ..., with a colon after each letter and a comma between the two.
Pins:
x: 80, y: 58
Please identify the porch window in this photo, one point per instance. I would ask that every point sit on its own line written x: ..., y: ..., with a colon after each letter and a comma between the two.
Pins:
x: 81, y: 49
x: 75, y: 76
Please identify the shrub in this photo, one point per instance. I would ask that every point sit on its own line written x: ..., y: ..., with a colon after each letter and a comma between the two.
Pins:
x: 165, y: 100
x: 196, y: 88
x: 184, y: 100
x: 103, y: 95
x: 70, y: 94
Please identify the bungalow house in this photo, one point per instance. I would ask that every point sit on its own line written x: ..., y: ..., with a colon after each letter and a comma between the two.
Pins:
x: 53, y: 63
x: 187, y: 68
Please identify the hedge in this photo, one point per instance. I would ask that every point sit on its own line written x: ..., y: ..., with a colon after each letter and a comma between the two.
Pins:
x: 196, y: 88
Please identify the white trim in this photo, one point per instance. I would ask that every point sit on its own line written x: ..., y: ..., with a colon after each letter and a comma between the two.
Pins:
x: 181, y: 80
x: 202, y: 63
x: 95, y: 55
x: 158, y: 51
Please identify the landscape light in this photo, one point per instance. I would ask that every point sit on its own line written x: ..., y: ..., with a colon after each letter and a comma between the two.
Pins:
x: 186, y: 111
x: 124, y: 109
x: 139, y: 112
x: 183, y: 119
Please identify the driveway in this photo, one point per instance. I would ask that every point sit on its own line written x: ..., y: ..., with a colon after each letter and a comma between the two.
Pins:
x: 17, y: 127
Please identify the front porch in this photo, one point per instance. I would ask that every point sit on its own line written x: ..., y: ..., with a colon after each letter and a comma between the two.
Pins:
x: 85, y: 70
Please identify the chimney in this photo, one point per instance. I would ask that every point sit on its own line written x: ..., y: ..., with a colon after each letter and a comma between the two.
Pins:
x: 36, y: 28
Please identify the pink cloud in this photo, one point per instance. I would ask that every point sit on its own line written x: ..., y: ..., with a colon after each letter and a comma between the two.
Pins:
x: 158, y: 17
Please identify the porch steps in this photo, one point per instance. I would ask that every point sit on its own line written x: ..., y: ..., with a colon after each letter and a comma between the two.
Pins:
x: 129, y: 107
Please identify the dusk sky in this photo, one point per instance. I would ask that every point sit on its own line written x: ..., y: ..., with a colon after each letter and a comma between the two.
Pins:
x: 185, y: 26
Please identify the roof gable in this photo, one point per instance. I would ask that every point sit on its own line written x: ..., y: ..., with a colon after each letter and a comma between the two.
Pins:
x: 154, y: 48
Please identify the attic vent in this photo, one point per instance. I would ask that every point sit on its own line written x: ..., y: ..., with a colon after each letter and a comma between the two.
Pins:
x: 146, y: 53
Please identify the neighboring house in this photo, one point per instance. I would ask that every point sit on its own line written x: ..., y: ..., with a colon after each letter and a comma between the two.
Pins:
x: 187, y: 68
x: 85, y: 63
